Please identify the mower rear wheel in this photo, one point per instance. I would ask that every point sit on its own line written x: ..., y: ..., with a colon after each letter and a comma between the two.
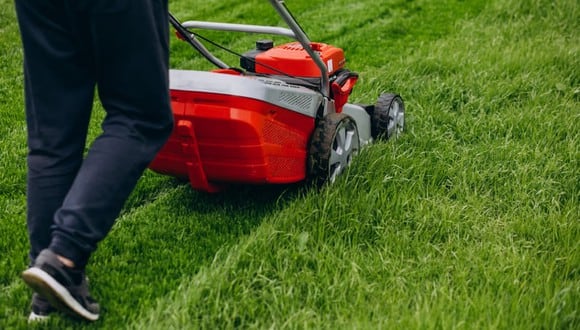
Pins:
x: 334, y: 143
x: 388, y: 117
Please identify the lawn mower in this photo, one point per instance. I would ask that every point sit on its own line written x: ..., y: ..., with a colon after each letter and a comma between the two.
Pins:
x: 282, y: 116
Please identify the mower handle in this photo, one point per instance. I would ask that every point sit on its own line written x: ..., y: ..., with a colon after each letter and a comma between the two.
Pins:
x: 233, y: 27
x: 190, y: 39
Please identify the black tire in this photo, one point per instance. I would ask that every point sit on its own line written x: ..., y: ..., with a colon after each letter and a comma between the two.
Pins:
x: 334, y: 142
x: 388, y: 117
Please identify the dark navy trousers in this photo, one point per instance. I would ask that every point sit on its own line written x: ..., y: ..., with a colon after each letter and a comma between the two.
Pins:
x: 73, y: 48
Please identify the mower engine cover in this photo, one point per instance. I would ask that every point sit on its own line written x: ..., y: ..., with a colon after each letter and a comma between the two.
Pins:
x: 292, y: 59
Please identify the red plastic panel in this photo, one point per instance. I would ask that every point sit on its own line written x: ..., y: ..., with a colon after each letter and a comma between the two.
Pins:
x: 222, y: 138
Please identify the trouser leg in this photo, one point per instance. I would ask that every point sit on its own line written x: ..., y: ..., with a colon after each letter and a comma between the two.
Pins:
x: 69, y: 45
x: 131, y: 54
x: 59, y: 91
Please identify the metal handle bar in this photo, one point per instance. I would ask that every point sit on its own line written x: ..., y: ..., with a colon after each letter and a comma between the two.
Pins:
x: 190, y: 38
x: 239, y: 28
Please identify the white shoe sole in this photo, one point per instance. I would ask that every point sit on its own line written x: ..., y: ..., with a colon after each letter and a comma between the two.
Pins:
x: 55, y: 293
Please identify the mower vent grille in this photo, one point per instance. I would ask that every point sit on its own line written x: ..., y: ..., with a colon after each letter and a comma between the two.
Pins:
x: 283, y: 167
x: 293, y: 46
x: 300, y: 101
x: 276, y: 133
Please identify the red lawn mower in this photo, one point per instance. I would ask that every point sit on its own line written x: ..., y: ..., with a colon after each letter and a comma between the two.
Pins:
x: 283, y: 117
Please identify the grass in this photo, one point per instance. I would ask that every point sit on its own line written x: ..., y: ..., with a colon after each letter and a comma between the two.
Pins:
x: 470, y: 220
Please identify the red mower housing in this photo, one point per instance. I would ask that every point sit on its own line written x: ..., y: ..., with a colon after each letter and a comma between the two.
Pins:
x: 223, y: 138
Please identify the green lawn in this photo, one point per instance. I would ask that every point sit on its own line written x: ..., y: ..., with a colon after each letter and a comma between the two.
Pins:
x: 470, y: 220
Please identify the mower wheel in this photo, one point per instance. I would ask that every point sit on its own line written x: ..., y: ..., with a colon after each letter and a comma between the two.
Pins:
x: 334, y: 142
x: 388, y: 117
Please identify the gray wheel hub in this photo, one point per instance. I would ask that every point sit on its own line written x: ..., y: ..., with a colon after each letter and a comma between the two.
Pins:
x: 397, y: 119
x: 344, y: 147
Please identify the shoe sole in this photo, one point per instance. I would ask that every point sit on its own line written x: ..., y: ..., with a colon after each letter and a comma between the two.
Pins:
x: 58, y: 296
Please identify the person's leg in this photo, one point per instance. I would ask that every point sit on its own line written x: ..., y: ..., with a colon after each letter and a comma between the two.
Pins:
x: 129, y: 43
x: 131, y: 51
x: 59, y: 90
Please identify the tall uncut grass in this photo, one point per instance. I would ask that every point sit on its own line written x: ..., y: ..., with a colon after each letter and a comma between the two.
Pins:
x: 471, y: 219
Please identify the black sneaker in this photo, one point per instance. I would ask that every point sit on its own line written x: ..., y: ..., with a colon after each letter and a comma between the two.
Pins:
x: 40, y: 309
x: 65, y: 288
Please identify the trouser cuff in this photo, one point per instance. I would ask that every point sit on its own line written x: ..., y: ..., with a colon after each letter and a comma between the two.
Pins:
x: 68, y: 249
